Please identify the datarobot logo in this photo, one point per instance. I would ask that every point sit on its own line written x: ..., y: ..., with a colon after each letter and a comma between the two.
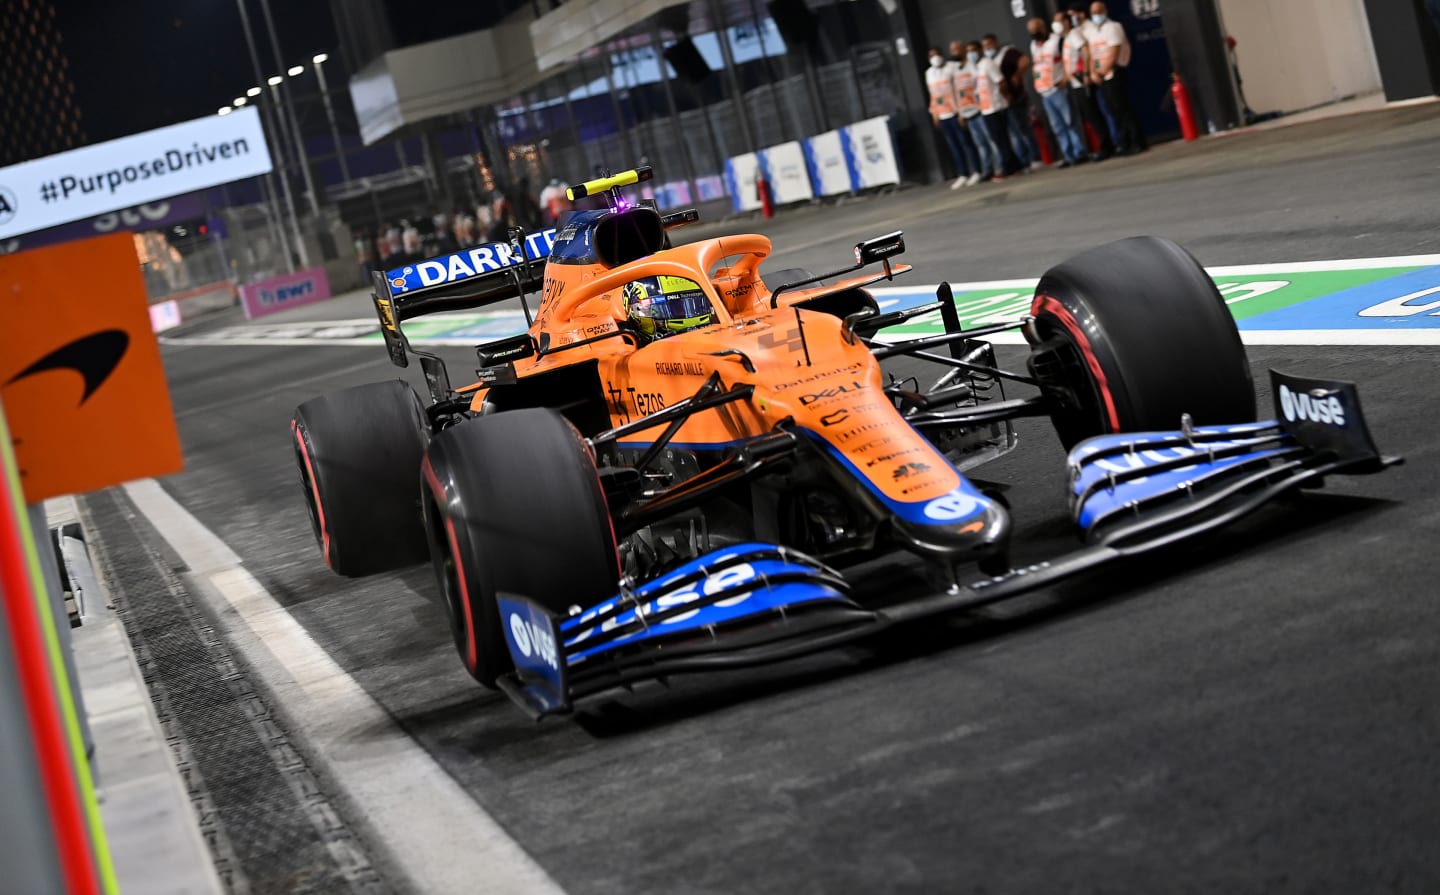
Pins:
x: 1314, y: 406
x: 9, y: 206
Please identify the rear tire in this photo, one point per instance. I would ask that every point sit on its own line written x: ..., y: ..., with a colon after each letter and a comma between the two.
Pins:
x: 512, y: 503
x: 1131, y: 335
x: 358, y: 451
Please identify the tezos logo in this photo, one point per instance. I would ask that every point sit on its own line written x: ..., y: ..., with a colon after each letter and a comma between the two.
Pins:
x: 1315, y: 406
x: 8, y: 205
x: 533, y: 640
x: 952, y: 507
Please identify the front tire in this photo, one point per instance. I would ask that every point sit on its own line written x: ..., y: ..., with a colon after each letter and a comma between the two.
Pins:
x: 513, y: 503
x: 1130, y: 335
x: 357, y: 451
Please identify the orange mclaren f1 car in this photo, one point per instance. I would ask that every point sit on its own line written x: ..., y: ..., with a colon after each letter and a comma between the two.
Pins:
x: 678, y: 464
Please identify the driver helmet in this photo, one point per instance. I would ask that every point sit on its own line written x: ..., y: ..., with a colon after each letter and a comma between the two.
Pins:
x: 663, y: 306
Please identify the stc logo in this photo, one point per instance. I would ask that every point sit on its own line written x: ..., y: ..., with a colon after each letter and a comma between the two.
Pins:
x: 1315, y: 407
x: 131, y: 217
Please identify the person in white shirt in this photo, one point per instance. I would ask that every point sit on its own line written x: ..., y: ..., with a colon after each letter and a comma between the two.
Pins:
x: 553, y: 201
x: 1109, y: 61
x: 410, y: 240
x: 1084, y: 102
x: 1014, y: 68
x: 987, y: 158
x: 1047, y: 64
x: 393, y: 246
x: 464, y: 228
x: 990, y: 96
x: 945, y: 114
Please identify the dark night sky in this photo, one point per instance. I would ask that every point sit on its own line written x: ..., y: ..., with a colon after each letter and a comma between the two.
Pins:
x: 141, y: 64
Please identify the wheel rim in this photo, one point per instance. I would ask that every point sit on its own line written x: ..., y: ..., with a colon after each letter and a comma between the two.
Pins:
x: 1059, y: 364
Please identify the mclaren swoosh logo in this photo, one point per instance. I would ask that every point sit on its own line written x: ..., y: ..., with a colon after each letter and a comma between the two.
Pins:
x: 94, y: 357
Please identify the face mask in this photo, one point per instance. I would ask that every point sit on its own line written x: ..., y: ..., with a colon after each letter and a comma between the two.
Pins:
x: 1099, y: 20
x: 1057, y: 27
x: 935, y: 61
x: 972, y: 57
x: 1075, y: 21
x: 1037, y: 35
x: 989, y: 54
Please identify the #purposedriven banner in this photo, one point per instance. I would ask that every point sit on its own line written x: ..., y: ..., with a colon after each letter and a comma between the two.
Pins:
x: 132, y: 171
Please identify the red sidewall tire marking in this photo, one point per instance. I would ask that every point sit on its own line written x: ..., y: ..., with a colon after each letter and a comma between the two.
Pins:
x: 314, y: 490
x: 1067, y: 320
x: 472, y: 658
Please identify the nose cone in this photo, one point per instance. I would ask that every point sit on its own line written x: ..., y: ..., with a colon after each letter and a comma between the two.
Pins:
x: 962, y: 526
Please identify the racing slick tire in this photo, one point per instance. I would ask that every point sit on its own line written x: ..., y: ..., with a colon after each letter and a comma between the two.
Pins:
x: 512, y: 503
x: 1130, y: 335
x: 358, y: 451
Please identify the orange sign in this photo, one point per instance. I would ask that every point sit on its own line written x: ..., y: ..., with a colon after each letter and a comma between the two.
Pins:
x: 80, y: 372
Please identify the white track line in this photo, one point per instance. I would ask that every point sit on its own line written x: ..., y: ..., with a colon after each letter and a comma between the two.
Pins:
x: 436, y: 833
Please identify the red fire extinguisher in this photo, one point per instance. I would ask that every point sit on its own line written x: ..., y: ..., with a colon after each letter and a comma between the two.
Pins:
x: 1042, y: 140
x: 1183, y: 109
x: 767, y: 203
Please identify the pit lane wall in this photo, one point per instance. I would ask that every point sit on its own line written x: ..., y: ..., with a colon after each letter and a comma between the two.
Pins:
x: 850, y: 159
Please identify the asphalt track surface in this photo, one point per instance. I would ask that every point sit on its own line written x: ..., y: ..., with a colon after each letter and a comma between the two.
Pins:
x: 1254, y: 713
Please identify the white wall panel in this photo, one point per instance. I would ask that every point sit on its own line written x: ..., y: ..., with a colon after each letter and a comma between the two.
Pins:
x: 1295, y: 54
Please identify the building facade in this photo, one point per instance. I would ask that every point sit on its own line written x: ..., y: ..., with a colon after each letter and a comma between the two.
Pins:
x: 552, y: 89
x: 38, y: 113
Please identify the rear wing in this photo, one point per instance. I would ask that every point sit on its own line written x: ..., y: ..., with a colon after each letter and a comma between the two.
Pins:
x: 459, y: 281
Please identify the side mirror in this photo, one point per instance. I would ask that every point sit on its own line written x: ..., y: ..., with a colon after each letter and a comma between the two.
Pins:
x: 871, y: 251
x: 878, y: 249
x: 504, y: 351
x: 680, y: 218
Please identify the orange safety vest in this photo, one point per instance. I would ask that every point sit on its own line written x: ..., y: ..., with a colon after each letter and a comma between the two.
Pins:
x: 1099, y: 47
x: 1043, y: 64
x: 942, y: 91
x: 1074, y: 65
x: 965, y: 91
x: 985, y: 93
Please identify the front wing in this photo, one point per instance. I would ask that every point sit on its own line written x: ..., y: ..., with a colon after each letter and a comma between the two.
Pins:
x: 752, y: 604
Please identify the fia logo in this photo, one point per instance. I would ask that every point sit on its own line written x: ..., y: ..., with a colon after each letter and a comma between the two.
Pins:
x: 8, y: 205
x: 1145, y: 9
